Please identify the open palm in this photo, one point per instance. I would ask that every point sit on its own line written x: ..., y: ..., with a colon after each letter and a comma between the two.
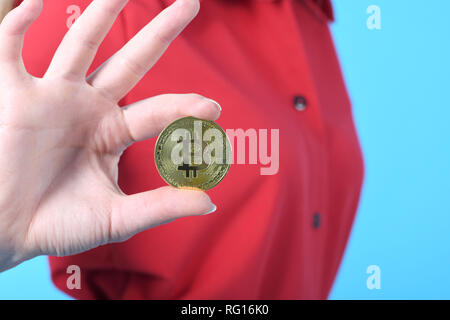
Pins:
x: 61, y: 136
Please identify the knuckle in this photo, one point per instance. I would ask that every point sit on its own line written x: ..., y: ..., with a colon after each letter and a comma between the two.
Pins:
x: 116, y: 230
x: 196, y: 99
x: 133, y: 67
x: 161, y: 37
x: 89, y: 44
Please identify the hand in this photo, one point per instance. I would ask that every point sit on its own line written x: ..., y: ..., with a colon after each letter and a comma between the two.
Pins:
x: 61, y: 136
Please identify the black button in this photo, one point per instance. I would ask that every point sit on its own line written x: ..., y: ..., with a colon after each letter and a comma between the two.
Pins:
x: 316, y: 220
x: 299, y: 103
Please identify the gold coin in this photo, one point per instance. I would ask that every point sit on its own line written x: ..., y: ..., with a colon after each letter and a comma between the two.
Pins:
x: 193, y: 153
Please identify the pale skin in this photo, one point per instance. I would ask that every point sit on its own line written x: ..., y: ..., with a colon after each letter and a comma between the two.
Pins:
x: 62, y: 135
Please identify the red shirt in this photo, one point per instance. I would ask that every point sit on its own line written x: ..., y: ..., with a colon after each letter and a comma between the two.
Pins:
x: 273, y: 236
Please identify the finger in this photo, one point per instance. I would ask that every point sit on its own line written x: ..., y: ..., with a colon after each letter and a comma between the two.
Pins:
x: 12, y: 32
x: 141, y: 211
x: 122, y: 71
x: 79, y: 46
x: 145, y: 119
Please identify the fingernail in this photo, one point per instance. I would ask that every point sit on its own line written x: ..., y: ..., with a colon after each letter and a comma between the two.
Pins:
x: 216, y: 103
x: 214, y: 208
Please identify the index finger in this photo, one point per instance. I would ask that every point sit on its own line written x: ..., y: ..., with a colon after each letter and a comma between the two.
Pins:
x: 80, y: 44
x: 123, y: 70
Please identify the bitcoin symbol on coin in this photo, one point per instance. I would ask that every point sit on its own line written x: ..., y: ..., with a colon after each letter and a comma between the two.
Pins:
x: 193, y: 153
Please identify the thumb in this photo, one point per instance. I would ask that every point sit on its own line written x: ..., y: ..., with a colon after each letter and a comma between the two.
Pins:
x: 132, y: 214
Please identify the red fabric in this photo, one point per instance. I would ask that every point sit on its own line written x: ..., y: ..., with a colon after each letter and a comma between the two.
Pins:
x: 253, y: 57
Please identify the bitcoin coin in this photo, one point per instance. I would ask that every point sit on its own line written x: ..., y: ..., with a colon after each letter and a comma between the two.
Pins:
x: 193, y: 153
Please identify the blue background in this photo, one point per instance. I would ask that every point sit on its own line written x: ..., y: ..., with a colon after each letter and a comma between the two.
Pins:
x: 398, y: 78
